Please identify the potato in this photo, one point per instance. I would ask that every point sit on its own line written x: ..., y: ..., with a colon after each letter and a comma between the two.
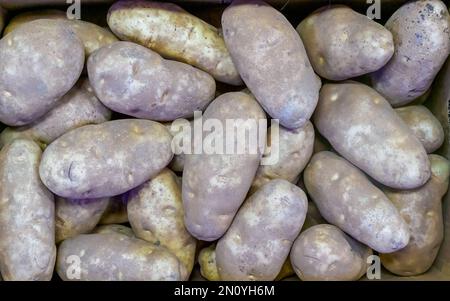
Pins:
x: 261, y: 235
x: 215, y: 185
x: 324, y: 252
x: 291, y: 152
x: 155, y: 211
x: 115, y: 257
x: 27, y: 210
x: 342, y: 43
x: 174, y: 33
x: 41, y: 61
x: 78, y: 107
x: 25, y: 17
x: 381, y: 145
x: 424, y: 125
x: 116, y: 211
x: 136, y: 81
x: 272, y: 61
x: 107, y: 159
x: 208, y: 265
x: 114, y: 228
x: 74, y: 217
x: 346, y: 198
x: 421, y: 31
x: 422, y: 210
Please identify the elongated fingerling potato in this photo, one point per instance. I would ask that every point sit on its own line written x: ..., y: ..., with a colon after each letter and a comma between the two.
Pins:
x: 424, y: 125
x: 421, y: 31
x: 215, y: 184
x: 156, y: 214
x: 342, y: 43
x: 27, y: 215
x: 290, y: 151
x: 40, y: 62
x: 261, y: 235
x: 115, y: 257
x: 272, y: 61
x: 75, y: 217
x: 136, y: 81
x: 422, y: 210
x: 105, y: 160
x: 174, y: 33
x: 324, y: 252
x: 78, y: 107
x: 348, y: 200
x: 362, y: 127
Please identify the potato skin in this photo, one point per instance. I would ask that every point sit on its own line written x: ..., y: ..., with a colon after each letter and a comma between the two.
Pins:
x: 22, y: 18
x: 207, y: 262
x: 272, y: 61
x: 107, y: 159
x: 133, y: 80
x: 174, y: 33
x: 74, y: 217
x: 424, y: 125
x: 117, y: 257
x: 116, y: 211
x: 421, y: 31
x: 215, y: 185
x: 342, y: 43
x: 347, y: 199
x: 27, y: 210
x: 114, y: 228
x: 261, y: 235
x: 382, y: 145
x: 156, y: 214
x: 422, y: 210
x: 78, y: 107
x: 324, y: 252
x: 38, y: 75
x: 294, y: 149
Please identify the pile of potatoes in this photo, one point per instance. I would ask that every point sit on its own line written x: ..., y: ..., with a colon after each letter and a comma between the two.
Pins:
x: 90, y: 187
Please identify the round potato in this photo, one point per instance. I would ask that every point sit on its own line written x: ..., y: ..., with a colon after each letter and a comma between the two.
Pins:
x: 290, y: 152
x: 421, y: 31
x: 342, y: 43
x: 422, y: 210
x: 27, y: 210
x: 40, y: 62
x: 156, y: 214
x: 174, y: 33
x: 116, y: 211
x: 324, y: 252
x: 258, y: 241
x: 78, y: 107
x: 22, y: 18
x: 107, y: 159
x: 382, y: 146
x: 424, y: 125
x: 215, y: 184
x: 346, y: 198
x: 133, y: 80
x: 272, y: 61
x: 207, y: 262
x: 74, y: 217
x: 115, y: 257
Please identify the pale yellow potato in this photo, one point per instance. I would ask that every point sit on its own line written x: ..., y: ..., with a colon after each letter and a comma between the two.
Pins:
x: 207, y: 262
x: 22, y: 18
x: 424, y: 125
x: 156, y: 214
x: 174, y: 33
x: 324, y: 252
x: 347, y: 199
x: 289, y: 154
x: 421, y: 31
x: 342, y: 43
x: 422, y: 210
